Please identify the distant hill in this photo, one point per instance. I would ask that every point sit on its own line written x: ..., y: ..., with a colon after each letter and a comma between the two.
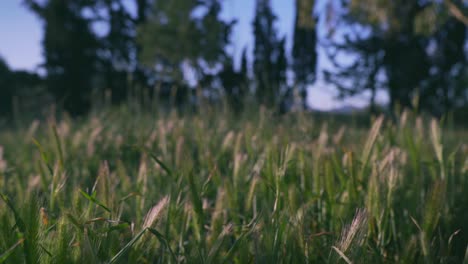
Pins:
x: 346, y: 109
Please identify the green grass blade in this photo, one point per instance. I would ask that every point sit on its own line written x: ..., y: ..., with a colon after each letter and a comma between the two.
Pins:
x: 163, y: 241
x: 59, y: 145
x: 9, y: 251
x: 44, y: 156
x: 374, y: 132
x: 94, y: 200
x: 158, y: 161
x: 127, y: 247
x: 19, y: 222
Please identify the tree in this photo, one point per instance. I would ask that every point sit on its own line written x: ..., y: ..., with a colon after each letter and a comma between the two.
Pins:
x: 17, y: 87
x: 244, y: 69
x: 284, y: 92
x: 401, y: 46
x: 70, y: 49
x: 173, y: 39
x: 142, y: 11
x: 446, y: 86
x: 119, y: 57
x: 269, y: 62
x: 6, y: 93
x: 140, y: 74
x: 234, y: 83
x: 118, y: 46
x: 304, y: 51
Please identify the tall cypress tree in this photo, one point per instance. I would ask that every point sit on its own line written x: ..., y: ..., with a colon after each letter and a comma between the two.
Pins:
x: 304, y: 51
x: 269, y: 62
x: 6, y: 93
x: 118, y: 47
x: 244, y: 67
x: 70, y: 49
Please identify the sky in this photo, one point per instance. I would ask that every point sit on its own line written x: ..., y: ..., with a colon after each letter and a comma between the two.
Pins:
x: 21, y: 33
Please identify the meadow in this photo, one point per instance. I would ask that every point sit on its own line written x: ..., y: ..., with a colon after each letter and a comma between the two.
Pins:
x: 126, y: 186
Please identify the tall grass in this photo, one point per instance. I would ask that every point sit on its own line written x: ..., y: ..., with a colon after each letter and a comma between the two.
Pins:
x: 127, y: 187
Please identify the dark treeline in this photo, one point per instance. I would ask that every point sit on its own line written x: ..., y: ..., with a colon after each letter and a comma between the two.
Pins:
x: 177, y: 51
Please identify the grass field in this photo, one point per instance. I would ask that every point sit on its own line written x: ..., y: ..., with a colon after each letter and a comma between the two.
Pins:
x: 127, y: 187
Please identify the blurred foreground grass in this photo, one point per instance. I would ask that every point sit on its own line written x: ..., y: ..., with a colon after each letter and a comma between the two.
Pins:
x: 128, y: 187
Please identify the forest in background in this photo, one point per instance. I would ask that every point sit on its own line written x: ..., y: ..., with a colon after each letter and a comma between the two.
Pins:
x: 176, y: 51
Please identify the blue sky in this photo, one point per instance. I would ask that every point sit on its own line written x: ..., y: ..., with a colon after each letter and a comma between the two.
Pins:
x: 21, y: 33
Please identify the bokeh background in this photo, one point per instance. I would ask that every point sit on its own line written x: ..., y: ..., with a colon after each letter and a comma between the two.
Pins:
x: 339, y: 56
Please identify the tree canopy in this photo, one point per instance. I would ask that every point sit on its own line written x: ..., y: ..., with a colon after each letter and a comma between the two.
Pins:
x: 415, y: 51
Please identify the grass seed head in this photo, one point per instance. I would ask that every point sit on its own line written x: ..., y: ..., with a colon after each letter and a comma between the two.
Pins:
x: 354, y: 233
x: 155, y: 212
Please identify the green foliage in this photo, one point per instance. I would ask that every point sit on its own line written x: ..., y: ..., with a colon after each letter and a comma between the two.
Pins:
x: 304, y: 51
x: 70, y: 49
x: 129, y: 187
x: 269, y: 61
x: 183, y: 32
x: 100, y: 50
x: 5, y: 89
x: 16, y: 84
x: 412, y: 49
